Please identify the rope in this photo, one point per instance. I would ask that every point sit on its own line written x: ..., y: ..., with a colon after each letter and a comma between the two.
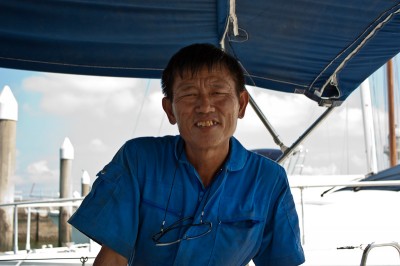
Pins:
x: 231, y: 19
x: 83, y: 260
x: 351, y: 247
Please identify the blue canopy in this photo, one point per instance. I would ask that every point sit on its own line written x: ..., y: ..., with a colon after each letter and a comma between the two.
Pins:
x: 389, y: 174
x: 323, y: 49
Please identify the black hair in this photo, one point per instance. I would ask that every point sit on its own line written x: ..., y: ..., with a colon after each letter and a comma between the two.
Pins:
x: 193, y: 58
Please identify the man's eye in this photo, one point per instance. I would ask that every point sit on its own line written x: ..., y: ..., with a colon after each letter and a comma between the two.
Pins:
x: 189, y: 95
x: 219, y: 92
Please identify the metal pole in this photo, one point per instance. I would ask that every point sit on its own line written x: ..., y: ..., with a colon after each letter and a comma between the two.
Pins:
x: 15, y: 229
x: 392, y: 126
x: 37, y: 225
x: 375, y: 245
x: 266, y: 123
x: 369, y: 132
x: 28, y: 230
x: 317, y: 122
x: 286, y: 150
x: 303, y: 239
x: 388, y: 183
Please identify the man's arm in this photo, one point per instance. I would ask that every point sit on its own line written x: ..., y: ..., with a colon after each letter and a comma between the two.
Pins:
x: 108, y: 257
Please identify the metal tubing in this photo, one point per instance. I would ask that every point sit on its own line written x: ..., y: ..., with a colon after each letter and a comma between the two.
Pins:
x: 41, y: 203
x: 266, y: 123
x: 391, y: 106
x: 45, y: 203
x: 317, y: 122
x: 28, y: 230
x: 349, y: 184
x: 373, y: 245
x: 303, y: 238
x: 15, y: 229
x: 286, y: 150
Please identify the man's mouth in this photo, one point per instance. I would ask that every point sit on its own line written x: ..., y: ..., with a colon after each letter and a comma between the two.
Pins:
x: 208, y: 123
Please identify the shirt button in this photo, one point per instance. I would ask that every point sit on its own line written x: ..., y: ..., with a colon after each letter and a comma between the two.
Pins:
x: 201, y: 194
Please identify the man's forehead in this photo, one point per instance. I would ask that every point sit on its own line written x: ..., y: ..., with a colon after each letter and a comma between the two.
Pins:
x: 218, y: 71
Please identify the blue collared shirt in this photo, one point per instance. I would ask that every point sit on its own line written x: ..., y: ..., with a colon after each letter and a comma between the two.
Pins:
x: 249, y: 204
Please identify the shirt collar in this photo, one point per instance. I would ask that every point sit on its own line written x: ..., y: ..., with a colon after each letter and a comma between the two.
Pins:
x: 236, y: 158
x: 237, y: 155
x: 179, y: 146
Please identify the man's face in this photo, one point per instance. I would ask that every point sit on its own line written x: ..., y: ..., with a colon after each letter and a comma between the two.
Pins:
x: 206, y: 108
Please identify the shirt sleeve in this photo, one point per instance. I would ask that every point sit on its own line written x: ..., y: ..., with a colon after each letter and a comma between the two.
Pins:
x: 281, y: 244
x: 109, y: 213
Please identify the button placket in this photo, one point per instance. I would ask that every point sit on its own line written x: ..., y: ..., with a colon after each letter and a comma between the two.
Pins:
x: 201, y: 195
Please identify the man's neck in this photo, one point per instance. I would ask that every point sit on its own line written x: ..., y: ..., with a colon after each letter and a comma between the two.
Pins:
x: 207, y: 163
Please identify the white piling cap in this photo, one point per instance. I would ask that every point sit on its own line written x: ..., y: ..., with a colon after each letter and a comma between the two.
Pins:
x: 85, y: 178
x: 8, y: 105
x: 67, y: 150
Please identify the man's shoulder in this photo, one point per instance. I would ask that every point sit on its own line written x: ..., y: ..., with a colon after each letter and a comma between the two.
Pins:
x: 264, y: 169
x: 146, y: 148
x: 146, y: 151
x: 149, y: 142
x: 248, y: 160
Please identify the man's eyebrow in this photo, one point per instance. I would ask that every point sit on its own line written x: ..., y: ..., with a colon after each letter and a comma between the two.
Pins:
x: 186, y: 84
x: 184, y: 87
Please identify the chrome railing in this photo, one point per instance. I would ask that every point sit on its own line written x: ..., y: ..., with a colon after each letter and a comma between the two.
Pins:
x: 376, y: 245
x: 339, y: 185
x: 302, y: 186
x: 66, y: 202
x: 75, y: 202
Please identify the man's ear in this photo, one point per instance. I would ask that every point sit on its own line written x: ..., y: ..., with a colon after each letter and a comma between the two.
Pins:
x: 167, y: 106
x: 243, y: 101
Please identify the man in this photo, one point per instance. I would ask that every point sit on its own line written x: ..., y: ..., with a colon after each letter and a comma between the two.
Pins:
x: 199, y: 198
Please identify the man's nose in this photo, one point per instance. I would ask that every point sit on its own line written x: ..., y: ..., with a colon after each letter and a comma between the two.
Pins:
x: 205, y: 103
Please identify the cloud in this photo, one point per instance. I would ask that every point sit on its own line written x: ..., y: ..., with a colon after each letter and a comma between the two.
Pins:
x: 38, y: 168
x: 279, y: 107
x: 97, y: 145
x: 347, y: 119
x: 321, y: 170
x: 39, y: 173
x: 71, y: 94
x: 18, y: 179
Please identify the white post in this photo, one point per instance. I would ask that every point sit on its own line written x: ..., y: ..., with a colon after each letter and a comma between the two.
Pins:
x: 369, y: 133
x: 28, y: 230
x: 8, y: 128
x: 15, y: 247
x: 66, y: 157
x: 303, y: 235
x: 85, y: 183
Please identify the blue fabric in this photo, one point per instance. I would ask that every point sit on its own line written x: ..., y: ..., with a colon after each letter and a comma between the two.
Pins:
x: 294, y: 46
x: 392, y: 173
x: 249, y: 204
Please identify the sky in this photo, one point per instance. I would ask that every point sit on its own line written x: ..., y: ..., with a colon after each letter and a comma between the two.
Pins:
x: 98, y: 114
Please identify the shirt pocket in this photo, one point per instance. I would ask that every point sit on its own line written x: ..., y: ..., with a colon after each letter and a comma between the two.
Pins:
x: 240, y: 231
x: 239, y: 234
